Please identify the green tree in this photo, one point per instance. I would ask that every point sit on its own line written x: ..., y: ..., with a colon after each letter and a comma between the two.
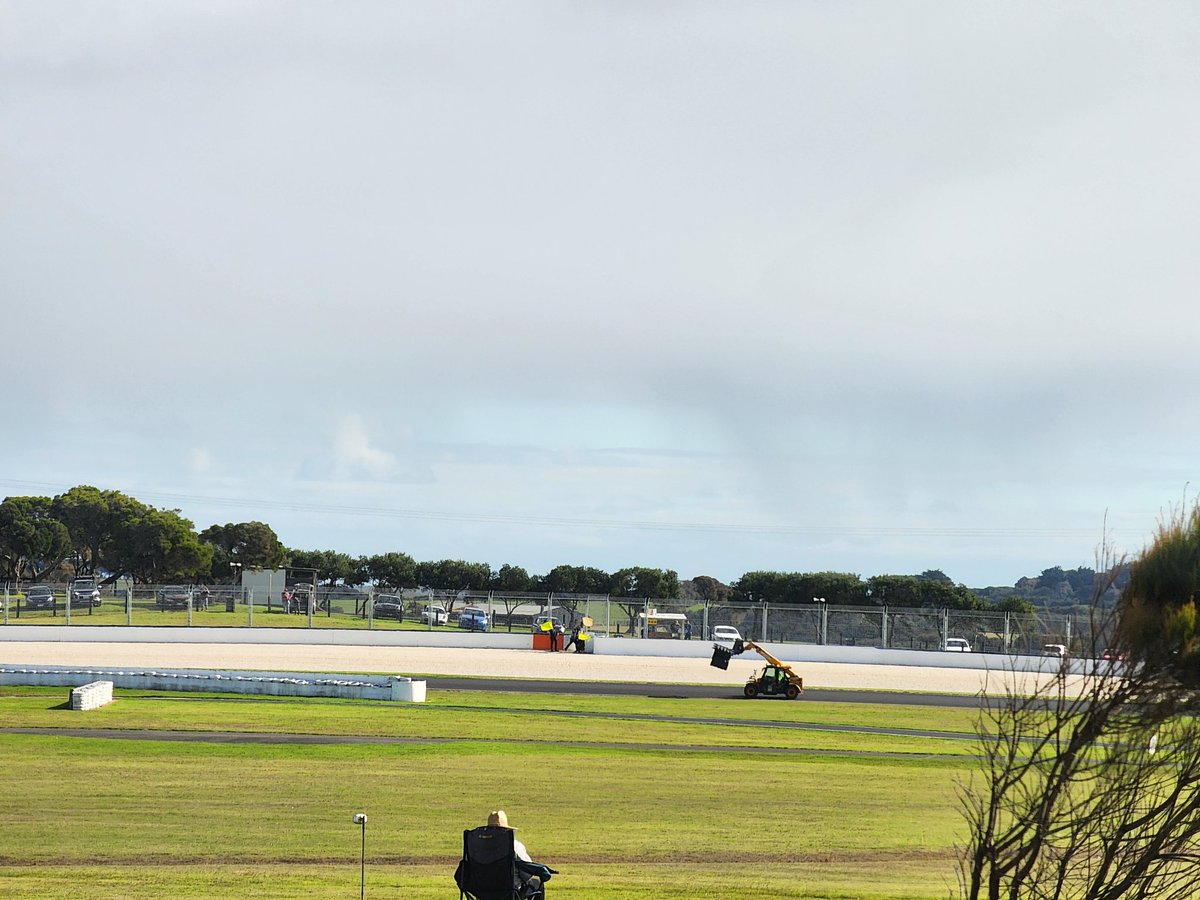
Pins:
x: 561, y: 579
x: 32, y: 541
x: 576, y: 580
x: 895, y: 590
x: 392, y: 570
x: 512, y: 578
x: 641, y: 581
x: 87, y: 512
x: 330, y: 566
x: 454, y: 575
x: 710, y: 591
x: 155, y: 546
x: 115, y: 535
x: 252, y: 544
x: 759, y: 587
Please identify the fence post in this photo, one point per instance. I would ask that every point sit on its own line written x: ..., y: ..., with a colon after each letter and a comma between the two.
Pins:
x: 129, y: 605
x: 764, y: 621
x: 883, y: 627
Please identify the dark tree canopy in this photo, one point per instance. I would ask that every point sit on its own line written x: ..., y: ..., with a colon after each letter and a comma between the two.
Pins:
x: 512, y: 578
x: 392, y: 570
x: 253, y: 545
x: 32, y: 541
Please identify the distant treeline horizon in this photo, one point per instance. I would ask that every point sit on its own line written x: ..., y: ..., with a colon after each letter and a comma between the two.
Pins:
x: 89, y: 531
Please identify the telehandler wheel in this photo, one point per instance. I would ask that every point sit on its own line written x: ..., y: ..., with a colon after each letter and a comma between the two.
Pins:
x: 792, y: 692
x: 750, y: 690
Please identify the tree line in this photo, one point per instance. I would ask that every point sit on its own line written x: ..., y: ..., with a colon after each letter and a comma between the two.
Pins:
x: 89, y: 531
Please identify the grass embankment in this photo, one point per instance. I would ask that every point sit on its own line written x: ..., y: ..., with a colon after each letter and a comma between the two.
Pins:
x: 112, y: 612
x: 625, y: 806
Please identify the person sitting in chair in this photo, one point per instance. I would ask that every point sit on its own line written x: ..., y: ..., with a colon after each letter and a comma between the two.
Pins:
x: 497, y: 818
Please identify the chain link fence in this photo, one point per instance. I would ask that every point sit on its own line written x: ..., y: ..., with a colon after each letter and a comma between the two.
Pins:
x: 301, y: 605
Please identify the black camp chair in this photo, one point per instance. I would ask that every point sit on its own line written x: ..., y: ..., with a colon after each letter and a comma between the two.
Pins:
x: 490, y: 870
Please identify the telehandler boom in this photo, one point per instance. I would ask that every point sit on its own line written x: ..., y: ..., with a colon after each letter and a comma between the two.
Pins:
x: 777, y: 677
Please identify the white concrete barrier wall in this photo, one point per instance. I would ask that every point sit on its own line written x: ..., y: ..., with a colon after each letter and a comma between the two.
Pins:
x: 92, y: 695
x: 502, y: 640
x: 285, y: 684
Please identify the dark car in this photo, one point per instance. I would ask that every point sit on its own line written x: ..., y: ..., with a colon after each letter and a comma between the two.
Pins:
x: 39, y: 597
x: 389, y: 607
x: 174, y: 596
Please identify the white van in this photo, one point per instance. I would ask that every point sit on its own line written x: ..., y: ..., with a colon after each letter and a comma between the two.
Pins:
x: 956, y: 645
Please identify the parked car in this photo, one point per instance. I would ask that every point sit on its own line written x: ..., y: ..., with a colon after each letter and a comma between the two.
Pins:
x: 726, y: 633
x: 389, y: 606
x: 434, y: 615
x: 474, y: 618
x: 85, y: 591
x: 1113, y: 654
x: 1058, y: 651
x: 174, y: 596
x: 39, y: 596
x: 555, y: 622
x: 956, y: 645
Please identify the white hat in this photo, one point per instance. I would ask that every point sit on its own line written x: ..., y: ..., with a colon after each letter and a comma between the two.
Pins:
x: 499, y: 818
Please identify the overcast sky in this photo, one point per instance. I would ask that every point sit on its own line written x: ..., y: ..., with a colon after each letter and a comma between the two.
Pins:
x: 715, y: 287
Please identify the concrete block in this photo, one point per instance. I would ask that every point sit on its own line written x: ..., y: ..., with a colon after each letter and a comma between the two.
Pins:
x: 92, y: 695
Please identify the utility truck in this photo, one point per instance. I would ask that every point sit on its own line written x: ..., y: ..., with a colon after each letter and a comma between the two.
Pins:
x: 777, y: 678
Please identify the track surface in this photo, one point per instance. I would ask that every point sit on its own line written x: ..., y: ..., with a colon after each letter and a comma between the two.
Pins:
x: 693, y: 691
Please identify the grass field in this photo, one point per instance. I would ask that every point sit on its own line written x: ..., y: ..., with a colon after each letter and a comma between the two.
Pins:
x: 627, y: 797
x: 112, y: 612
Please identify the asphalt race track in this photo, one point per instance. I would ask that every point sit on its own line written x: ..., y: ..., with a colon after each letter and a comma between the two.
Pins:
x: 694, y: 691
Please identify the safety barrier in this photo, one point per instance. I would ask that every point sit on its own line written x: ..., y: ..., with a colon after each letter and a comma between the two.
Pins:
x: 92, y: 695
x: 284, y: 684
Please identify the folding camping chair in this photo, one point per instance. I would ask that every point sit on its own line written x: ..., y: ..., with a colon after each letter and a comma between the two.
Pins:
x: 490, y: 870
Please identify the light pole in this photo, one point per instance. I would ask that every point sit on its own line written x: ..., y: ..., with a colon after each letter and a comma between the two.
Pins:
x: 822, y: 622
x: 231, y: 600
x: 361, y: 819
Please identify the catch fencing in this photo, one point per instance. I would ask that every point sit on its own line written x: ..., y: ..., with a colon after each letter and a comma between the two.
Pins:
x: 815, y: 623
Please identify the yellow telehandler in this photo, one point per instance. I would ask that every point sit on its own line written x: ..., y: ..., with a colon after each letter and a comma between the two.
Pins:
x: 777, y: 677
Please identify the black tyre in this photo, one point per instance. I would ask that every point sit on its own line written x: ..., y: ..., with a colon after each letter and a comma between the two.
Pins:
x: 792, y: 692
x: 750, y: 690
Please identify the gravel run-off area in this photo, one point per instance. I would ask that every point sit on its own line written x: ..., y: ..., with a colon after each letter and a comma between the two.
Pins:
x: 485, y: 663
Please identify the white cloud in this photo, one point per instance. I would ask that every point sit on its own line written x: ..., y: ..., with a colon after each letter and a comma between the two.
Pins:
x: 888, y: 265
x: 354, y: 455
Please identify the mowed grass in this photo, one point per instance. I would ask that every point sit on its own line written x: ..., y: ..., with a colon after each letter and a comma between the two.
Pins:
x: 624, y: 806
x: 498, y: 716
